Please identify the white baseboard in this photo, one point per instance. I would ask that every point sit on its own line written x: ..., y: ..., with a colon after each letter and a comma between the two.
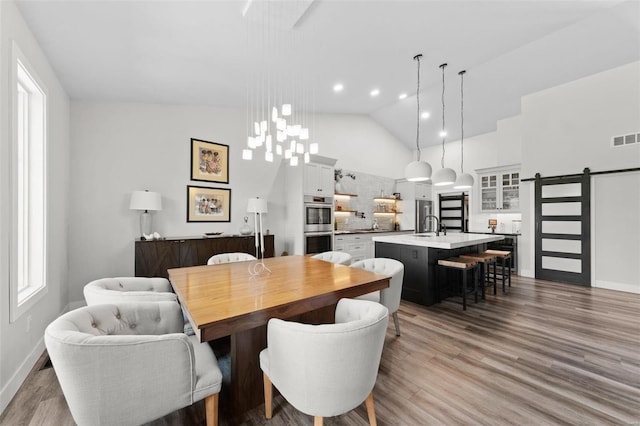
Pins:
x: 11, y: 388
x: 629, y: 288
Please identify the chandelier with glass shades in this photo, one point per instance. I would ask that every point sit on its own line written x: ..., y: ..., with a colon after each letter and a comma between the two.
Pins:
x: 275, y: 126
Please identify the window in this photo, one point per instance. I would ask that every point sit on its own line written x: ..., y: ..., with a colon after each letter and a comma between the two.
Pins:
x: 28, y: 187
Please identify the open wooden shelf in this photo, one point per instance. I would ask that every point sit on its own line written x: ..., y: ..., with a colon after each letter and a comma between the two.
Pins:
x: 387, y: 198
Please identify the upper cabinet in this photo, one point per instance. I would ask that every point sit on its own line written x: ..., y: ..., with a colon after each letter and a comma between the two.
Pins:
x: 423, y: 191
x: 318, y: 180
x: 414, y: 190
x: 500, y: 189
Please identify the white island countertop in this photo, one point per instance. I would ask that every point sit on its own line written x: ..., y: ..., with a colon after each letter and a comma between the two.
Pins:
x: 450, y: 241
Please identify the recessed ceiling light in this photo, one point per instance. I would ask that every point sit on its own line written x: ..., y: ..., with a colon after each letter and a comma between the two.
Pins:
x: 425, y: 115
x: 402, y: 96
x: 375, y: 92
x: 338, y: 87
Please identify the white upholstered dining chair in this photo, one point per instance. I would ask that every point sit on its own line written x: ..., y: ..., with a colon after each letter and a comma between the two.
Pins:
x: 389, y: 297
x: 339, y: 257
x: 229, y: 258
x: 326, y: 370
x: 130, y: 363
x: 132, y: 289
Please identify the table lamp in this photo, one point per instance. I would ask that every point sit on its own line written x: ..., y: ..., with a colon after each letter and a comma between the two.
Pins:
x: 258, y: 206
x: 145, y: 201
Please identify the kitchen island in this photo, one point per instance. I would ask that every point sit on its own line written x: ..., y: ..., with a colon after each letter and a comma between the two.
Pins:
x: 420, y: 254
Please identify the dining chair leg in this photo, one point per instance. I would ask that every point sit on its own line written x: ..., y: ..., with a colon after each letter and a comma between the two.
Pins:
x: 317, y: 421
x: 396, y: 323
x: 371, y: 410
x: 211, y: 409
x: 268, y: 396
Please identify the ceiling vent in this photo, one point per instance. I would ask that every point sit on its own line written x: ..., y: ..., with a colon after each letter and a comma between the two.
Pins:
x: 617, y: 141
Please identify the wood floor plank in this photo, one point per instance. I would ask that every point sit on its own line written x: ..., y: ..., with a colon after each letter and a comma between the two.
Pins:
x: 544, y: 353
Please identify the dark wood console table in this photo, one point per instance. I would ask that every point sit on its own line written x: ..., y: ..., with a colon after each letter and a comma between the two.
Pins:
x: 154, y: 257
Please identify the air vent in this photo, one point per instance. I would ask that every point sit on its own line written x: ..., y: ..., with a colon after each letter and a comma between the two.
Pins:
x: 625, y: 139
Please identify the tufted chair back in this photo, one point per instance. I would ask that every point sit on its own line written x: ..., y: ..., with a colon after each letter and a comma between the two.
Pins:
x: 389, y: 297
x: 229, y: 258
x: 132, y: 289
x: 339, y: 257
x: 326, y: 370
x: 128, y: 289
x: 129, y: 363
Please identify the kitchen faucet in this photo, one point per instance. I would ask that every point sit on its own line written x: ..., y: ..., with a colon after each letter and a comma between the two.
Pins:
x: 424, y: 225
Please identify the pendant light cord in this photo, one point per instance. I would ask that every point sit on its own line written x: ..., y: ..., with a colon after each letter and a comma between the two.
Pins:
x: 443, y: 66
x: 461, y: 74
x: 418, y: 153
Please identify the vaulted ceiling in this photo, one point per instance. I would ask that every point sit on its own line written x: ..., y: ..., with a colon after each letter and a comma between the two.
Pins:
x: 209, y: 53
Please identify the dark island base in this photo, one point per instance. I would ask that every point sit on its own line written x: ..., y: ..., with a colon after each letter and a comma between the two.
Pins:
x: 420, y: 284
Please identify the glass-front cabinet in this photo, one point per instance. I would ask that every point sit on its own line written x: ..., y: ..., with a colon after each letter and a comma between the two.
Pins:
x: 500, y: 190
x: 511, y: 190
x: 489, y: 191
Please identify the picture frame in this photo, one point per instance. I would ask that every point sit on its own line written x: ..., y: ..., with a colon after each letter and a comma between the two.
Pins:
x: 209, y: 161
x: 208, y: 204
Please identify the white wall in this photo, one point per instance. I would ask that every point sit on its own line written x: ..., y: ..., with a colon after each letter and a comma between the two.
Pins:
x: 121, y: 147
x: 360, y: 144
x: 616, y: 238
x: 568, y: 128
x: 21, y: 342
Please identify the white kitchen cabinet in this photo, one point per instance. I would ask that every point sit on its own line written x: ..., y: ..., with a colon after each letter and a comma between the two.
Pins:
x: 359, y: 246
x: 500, y: 190
x: 414, y: 190
x: 318, y: 180
x: 423, y: 191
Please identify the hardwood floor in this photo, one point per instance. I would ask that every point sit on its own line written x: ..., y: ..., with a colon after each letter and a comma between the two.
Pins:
x: 545, y: 353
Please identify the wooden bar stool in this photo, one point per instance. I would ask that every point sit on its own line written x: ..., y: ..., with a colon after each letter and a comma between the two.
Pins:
x: 485, y: 260
x: 505, y: 260
x: 464, y: 265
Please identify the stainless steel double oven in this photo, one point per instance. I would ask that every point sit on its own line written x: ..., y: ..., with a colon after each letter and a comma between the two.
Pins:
x: 318, y: 224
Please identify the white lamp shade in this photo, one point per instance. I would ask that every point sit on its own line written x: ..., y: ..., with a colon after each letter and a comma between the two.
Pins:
x: 145, y: 200
x: 257, y: 205
x: 464, y: 181
x: 417, y: 171
x: 445, y: 176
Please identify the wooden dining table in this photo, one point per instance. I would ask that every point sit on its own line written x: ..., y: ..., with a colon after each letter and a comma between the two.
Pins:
x: 228, y: 300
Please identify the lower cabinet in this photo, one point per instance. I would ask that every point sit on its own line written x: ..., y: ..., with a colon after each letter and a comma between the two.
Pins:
x: 417, y: 286
x: 154, y: 258
x: 359, y: 246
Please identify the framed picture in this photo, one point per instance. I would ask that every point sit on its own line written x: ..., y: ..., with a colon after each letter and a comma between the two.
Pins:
x: 208, y: 204
x: 209, y: 161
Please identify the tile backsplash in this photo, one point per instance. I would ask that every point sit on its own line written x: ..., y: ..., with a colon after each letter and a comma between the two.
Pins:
x: 366, y: 187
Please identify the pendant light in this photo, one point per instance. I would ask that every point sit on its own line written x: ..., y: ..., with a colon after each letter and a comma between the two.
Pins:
x: 417, y: 171
x: 444, y: 176
x: 465, y: 180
